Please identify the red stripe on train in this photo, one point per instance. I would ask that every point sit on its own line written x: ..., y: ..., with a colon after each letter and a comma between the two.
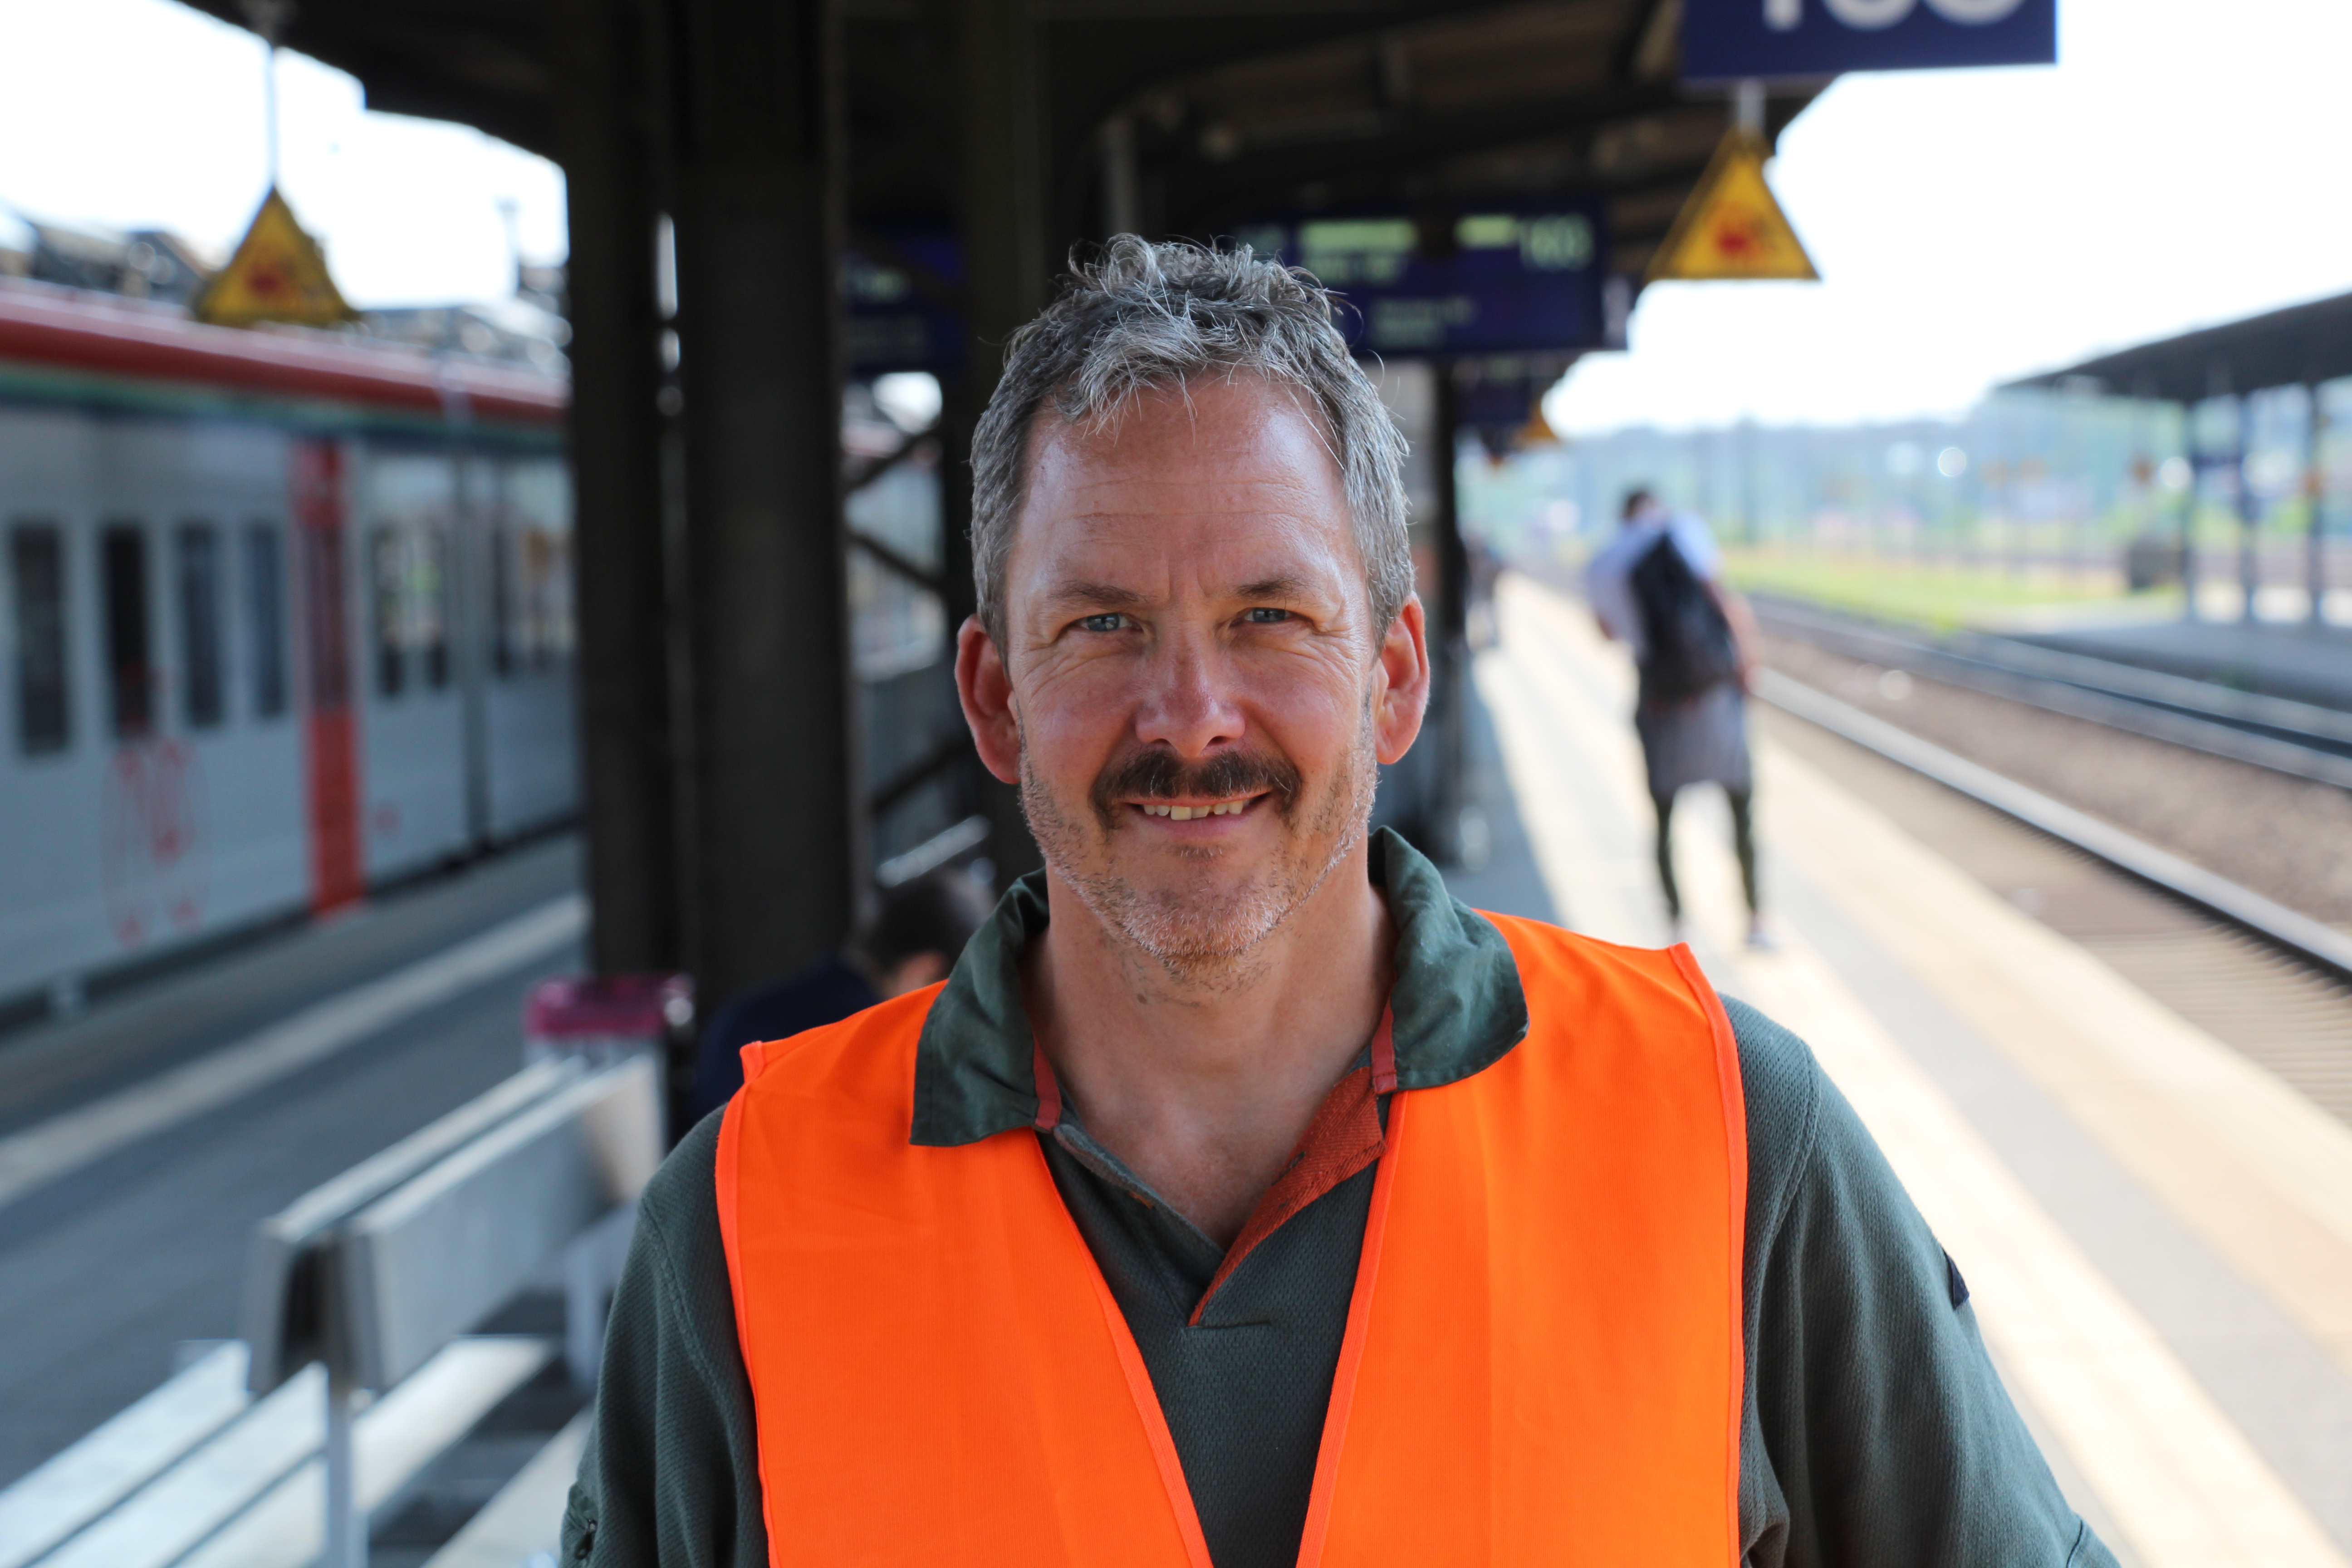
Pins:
x: 81, y: 332
x: 331, y: 722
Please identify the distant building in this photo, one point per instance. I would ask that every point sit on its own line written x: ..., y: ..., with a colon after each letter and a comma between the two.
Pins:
x: 153, y: 264
x: 144, y: 264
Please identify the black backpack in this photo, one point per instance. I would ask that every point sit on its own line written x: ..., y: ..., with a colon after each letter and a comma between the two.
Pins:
x: 1689, y: 644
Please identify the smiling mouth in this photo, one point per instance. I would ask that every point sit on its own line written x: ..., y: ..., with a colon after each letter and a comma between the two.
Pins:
x: 1187, y: 813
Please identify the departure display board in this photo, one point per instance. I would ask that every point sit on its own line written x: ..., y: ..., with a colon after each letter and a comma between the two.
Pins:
x: 1486, y: 281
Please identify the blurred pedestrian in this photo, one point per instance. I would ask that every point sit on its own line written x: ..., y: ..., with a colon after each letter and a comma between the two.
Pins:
x: 913, y: 941
x: 1658, y: 588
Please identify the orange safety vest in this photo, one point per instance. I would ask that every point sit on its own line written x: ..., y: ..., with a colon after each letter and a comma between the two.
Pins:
x: 1542, y: 1360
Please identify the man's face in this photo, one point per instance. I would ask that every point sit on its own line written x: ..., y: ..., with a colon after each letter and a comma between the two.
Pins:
x: 1193, y: 693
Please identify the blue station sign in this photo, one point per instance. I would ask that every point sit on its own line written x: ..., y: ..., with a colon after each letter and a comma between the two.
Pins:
x: 1728, y: 40
x: 1490, y: 280
x: 901, y: 314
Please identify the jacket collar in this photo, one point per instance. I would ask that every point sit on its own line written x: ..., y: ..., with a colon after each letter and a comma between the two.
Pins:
x: 1457, y: 1003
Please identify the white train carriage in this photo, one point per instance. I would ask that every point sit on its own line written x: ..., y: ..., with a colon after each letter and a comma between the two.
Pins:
x: 286, y: 617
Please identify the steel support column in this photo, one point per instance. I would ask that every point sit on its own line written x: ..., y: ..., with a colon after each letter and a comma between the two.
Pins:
x: 773, y: 778
x: 2315, y: 490
x: 602, y: 112
x: 1004, y: 226
x: 2250, y: 562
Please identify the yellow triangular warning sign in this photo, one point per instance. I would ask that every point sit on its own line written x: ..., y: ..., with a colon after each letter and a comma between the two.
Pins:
x: 278, y: 274
x: 1732, y: 226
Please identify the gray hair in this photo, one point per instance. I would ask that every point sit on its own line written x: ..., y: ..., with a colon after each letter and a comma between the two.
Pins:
x: 1141, y: 317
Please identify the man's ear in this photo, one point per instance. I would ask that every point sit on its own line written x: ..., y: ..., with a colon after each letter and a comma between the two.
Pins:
x: 1400, y: 682
x: 985, y: 689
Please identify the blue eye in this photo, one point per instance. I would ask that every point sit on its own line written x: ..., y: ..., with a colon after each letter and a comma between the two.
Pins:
x: 1105, y: 623
x: 1266, y: 616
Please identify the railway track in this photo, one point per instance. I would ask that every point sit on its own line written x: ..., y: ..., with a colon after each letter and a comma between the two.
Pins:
x: 2270, y: 982
x: 2320, y: 945
x: 2299, y: 738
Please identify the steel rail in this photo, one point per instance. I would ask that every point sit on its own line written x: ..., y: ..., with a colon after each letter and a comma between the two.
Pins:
x: 2296, y: 738
x: 2297, y: 934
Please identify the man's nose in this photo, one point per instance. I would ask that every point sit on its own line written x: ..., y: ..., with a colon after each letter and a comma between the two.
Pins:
x: 1189, y: 704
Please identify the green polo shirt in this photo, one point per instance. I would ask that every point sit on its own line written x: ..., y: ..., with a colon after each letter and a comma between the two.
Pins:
x: 1875, y: 1430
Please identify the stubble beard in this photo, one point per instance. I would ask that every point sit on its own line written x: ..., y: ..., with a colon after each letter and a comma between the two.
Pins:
x: 1202, y: 935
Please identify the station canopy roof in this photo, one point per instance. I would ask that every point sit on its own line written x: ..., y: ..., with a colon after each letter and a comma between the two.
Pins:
x: 1236, y: 106
x: 2311, y: 343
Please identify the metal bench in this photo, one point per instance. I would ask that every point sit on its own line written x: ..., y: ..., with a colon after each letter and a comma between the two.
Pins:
x: 360, y: 1363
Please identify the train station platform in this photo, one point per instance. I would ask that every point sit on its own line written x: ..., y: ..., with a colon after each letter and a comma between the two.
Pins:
x: 2157, y: 1231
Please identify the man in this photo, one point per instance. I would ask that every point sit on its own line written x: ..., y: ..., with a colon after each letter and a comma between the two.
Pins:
x: 912, y: 941
x: 1241, y: 1199
x: 1658, y: 588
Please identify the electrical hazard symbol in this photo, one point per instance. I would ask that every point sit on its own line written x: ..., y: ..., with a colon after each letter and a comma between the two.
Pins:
x: 278, y: 274
x: 1732, y: 226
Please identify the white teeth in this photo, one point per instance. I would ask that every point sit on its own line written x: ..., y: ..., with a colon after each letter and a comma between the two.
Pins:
x: 1187, y: 813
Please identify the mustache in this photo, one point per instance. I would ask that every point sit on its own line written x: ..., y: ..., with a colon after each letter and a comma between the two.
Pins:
x: 1160, y: 774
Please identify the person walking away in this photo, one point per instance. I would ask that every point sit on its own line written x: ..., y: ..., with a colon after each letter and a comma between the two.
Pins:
x: 1657, y: 587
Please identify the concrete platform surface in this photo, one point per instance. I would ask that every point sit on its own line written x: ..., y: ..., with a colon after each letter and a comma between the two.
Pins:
x: 2157, y: 1231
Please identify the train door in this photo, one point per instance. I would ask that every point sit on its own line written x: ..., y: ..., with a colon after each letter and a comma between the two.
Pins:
x: 414, y: 815
x: 533, y: 755
x: 477, y: 541
x: 226, y: 755
x: 329, y: 715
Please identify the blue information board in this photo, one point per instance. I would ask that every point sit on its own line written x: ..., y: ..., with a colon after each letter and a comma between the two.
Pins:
x: 1726, y: 40
x: 1484, y: 280
x: 1497, y: 279
x: 894, y: 321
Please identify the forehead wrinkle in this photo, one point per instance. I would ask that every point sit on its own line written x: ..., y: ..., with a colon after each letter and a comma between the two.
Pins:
x: 1086, y: 591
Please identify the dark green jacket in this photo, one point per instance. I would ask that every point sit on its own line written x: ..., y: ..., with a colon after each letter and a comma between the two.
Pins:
x: 1875, y: 1432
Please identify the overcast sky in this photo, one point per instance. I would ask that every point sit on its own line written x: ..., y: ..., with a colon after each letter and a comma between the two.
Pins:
x: 142, y: 113
x: 2185, y: 163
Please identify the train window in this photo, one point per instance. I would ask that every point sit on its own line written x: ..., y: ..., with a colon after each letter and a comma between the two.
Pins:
x: 129, y: 660
x: 36, y: 559
x: 431, y: 607
x: 265, y: 616
x: 412, y: 619
x: 505, y: 630
x: 532, y: 585
x: 391, y: 633
x: 197, y: 549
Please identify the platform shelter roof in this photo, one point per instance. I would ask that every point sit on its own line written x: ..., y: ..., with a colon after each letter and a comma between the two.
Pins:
x: 2307, y: 342
x: 1233, y: 106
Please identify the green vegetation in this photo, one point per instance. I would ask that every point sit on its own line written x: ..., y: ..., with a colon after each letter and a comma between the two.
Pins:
x: 1941, y: 595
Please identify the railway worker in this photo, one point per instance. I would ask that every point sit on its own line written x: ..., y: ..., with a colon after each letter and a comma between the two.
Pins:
x: 1658, y: 588
x: 1241, y: 1199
